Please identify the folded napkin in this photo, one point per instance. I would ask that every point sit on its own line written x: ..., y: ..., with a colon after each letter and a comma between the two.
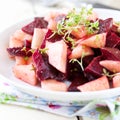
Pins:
x: 108, y: 109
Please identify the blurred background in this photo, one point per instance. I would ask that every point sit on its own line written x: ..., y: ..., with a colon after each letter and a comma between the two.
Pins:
x: 12, y: 11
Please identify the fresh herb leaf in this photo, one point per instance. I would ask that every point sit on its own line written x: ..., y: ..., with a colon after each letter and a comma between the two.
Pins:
x: 79, y: 62
x: 33, y: 68
x: 4, y: 98
x: 43, y: 51
x: 73, y: 21
x: 104, y: 112
x: 92, y: 27
x: 107, y: 73
x: 71, y: 40
x: 26, y: 58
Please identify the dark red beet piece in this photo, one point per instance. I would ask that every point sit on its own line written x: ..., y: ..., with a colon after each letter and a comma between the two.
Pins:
x: 112, y: 40
x: 105, y: 25
x: 96, y: 51
x: 94, y: 69
x: 68, y: 52
x: 110, y: 53
x: 51, y: 37
x: 118, y: 45
x: 19, y: 51
x: 44, y: 70
x: 87, y: 60
x: 73, y: 70
x: 27, y: 44
x: 38, y: 22
x: 76, y: 82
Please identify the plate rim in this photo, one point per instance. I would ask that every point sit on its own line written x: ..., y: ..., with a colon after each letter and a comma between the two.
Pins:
x: 56, y: 95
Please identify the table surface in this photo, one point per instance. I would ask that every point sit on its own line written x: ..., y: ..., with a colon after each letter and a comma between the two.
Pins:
x: 12, y: 11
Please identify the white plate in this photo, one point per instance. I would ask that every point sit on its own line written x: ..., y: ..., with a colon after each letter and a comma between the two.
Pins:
x: 6, y: 70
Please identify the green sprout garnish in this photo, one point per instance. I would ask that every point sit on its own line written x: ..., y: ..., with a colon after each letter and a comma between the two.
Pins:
x: 43, y: 51
x: 73, y: 21
x: 31, y: 50
x: 26, y: 58
x: 23, y: 49
x: 106, y: 73
x: 71, y: 40
x: 79, y: 62
x: 104, y: 112
x: 92, y: 27
x: 33, y: 68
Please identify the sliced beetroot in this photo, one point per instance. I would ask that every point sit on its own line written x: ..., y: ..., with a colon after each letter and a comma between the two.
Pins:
x: 105, y: 25
x: 112, y: 40
x: 110, y: 53
x: 51, y: 37
x: 87, y: 60
x: 38, y: 22
x: 97, y: 52
x: 76, y: 82
x: 118, y: 45
x: 27, y: 44
x: 73, y: 70
x: 19, y: 51
x: 44, y: 70
x: 94, y: 69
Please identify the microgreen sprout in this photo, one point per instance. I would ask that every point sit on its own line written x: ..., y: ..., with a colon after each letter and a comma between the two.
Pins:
x: 72, y: 41
x: 23, y: 49
x: 43, y: 51
x: 79, y: 62
x: 54, y: 32
x: 92, y: 27
x: 31, y: 50
x: 26, y: 58
x: 73, y: 21
x: 106, y: 73
x: 97, y: 41
x: 33, y: 67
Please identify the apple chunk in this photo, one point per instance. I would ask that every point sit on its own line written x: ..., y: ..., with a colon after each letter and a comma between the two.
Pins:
x: 95, y: 41
x: 57, y: 53
x: 111, y: 65
x: 116, y: 80
x: 54, y: 85
x: 80, y: 50
x: 95, y: 85
x: 25, y: 73
x: 38, y: 37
